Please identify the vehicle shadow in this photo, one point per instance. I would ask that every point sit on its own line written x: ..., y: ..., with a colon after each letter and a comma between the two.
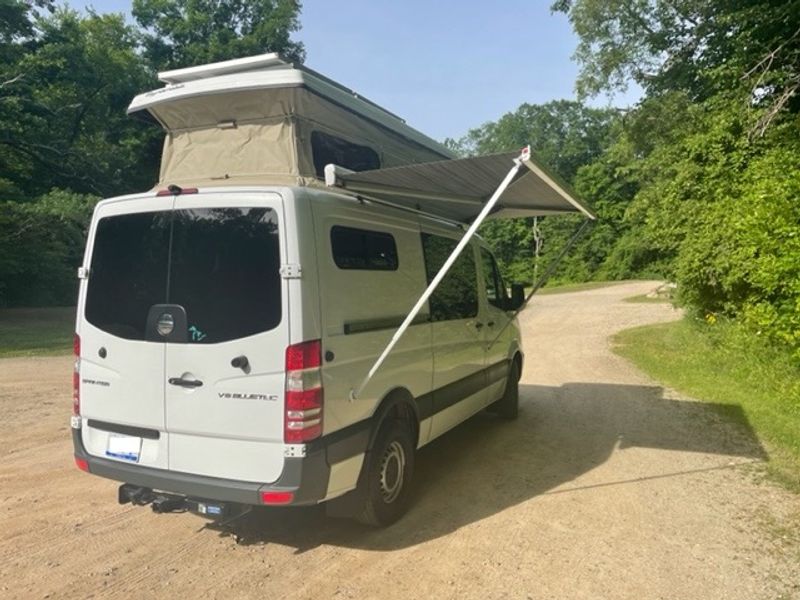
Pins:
x: 487, y: 465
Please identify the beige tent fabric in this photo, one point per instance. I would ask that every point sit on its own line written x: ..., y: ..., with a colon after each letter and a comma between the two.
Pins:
x: 250, y: 149
x: 271, y: 140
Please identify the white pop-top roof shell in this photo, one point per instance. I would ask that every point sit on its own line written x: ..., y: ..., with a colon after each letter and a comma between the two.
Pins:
x: 271, y: 71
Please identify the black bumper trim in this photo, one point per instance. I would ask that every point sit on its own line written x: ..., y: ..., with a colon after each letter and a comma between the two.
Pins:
x: 307, y: 477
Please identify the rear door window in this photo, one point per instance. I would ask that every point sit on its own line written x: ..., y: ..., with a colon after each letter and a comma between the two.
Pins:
x: 225, y: 272
x: 223, y: 269
x: 128, y: 273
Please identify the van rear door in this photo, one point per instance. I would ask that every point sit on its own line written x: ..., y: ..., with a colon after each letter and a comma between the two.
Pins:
x: 121, y: 373
x: 224, y: 393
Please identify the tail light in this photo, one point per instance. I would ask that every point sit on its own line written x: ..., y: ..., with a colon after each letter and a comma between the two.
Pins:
x: 76, y: 383
x: 303, y: 416
x: 277, y: 497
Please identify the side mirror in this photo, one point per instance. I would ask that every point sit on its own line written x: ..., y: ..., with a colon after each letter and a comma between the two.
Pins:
x: 517, y: 296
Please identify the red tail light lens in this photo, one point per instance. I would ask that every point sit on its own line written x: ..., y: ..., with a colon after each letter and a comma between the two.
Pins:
x: 76, y: 376
x: 307, y: 355
x: 82, y: 464
x: 277, y: 497
x: 304, y: 394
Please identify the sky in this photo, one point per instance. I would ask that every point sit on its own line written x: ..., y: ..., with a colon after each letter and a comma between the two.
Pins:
x: 444, y: 66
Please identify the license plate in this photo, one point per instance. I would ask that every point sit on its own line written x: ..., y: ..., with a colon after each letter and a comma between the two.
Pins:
x: 124, y: 447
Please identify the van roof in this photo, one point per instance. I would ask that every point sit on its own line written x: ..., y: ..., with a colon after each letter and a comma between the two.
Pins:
x: 271, y: 71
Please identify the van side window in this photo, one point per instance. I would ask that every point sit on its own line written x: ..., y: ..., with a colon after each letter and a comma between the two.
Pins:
x: 495, y: 288
x: 457, y: 294
x: 363, y: 249
x: 327, y: 149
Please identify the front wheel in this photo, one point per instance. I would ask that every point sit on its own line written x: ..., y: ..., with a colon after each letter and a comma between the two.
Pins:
x: 508, y: 406
x: 387, y: 476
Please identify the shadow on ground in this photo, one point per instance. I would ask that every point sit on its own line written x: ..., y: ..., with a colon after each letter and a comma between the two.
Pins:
x: 487, y: 465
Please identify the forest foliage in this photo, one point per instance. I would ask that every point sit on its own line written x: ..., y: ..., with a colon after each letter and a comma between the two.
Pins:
x: 698, y: 183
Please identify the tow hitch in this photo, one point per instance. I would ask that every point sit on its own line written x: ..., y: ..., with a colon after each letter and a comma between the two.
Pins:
x: 139, y: 496
x: 162, y: 502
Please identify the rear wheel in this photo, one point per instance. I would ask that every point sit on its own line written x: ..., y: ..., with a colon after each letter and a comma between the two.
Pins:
x: 384, y: 487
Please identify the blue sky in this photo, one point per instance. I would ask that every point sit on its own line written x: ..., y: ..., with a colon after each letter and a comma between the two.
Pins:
x: 444, y: 66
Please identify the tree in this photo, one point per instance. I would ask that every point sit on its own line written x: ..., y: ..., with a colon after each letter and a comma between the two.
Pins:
x: 749, y: 48
x: 62, y: 109
x: 181, y: 33
x: 565, y: 135
x: 41, y: 246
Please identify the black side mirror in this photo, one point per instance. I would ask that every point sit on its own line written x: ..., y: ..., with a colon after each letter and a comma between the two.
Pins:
x: 517, y: 296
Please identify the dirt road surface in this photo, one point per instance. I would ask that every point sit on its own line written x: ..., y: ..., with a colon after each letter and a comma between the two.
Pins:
x: 606, y: 487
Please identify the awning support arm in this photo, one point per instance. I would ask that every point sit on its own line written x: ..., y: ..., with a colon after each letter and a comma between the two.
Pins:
x: 543, y: 279
x: 487, y: 208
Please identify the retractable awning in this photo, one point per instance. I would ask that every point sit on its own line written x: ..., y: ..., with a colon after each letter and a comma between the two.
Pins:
x: 465, y: 190
x: 458, y: 189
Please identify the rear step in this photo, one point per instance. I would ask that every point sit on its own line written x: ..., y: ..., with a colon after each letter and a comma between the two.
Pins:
x: 162, y: 502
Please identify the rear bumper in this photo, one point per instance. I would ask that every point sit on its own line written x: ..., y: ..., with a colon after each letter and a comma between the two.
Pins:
x: 306, y: 477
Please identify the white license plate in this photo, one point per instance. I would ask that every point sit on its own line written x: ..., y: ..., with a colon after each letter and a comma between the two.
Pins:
x: 124, y: 447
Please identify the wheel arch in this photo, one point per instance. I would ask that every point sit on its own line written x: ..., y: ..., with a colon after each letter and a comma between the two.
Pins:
x: 400, y: 404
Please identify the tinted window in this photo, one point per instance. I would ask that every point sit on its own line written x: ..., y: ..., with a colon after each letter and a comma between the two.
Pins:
x: 495, y: 288
x: 456, y: 297
x: 328, y: 149
x: 224, y: 270
x: 363, y: 249
x: 128, y: 273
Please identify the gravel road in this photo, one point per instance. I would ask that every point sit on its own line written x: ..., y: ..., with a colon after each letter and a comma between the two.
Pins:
x: 607, y: 486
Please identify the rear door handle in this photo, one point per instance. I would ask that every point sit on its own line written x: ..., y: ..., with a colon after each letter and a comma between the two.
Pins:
x: 490, y: 323
x: 478, y: 325
x: 188, y: 383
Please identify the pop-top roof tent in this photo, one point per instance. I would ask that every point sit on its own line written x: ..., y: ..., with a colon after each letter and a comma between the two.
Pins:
x: 265, y: 121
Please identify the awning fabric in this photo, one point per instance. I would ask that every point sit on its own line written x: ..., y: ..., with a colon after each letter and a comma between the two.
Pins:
x: 457, y: 189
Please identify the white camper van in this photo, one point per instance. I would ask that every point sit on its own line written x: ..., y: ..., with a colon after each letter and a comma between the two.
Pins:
x: 251, y: 332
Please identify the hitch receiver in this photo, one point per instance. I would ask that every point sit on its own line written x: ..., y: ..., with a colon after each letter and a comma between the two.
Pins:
x: 140, y: 496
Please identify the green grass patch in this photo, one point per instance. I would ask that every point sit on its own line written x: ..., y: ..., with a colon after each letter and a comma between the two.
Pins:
x: 723, y: 364
x: 36, y: 331
x: 645, y: 299
x: 577, y: 287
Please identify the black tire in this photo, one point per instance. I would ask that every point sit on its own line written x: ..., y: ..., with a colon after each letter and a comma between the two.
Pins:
x: 385, y: 480
x: 508, y: 406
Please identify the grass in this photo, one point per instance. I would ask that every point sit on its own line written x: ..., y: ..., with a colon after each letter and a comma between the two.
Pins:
x: 36, y: 331
x: 577, y: 287
x: 722, y: 364
x: 645, y: 299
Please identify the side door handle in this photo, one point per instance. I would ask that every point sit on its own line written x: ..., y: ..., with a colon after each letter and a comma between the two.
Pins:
x: 490, y: 323
x: 187, y: 383
x: 478, y: 325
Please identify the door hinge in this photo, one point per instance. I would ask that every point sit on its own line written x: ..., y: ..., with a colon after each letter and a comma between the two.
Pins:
x: 291, y: 271
x: 83, y: 272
